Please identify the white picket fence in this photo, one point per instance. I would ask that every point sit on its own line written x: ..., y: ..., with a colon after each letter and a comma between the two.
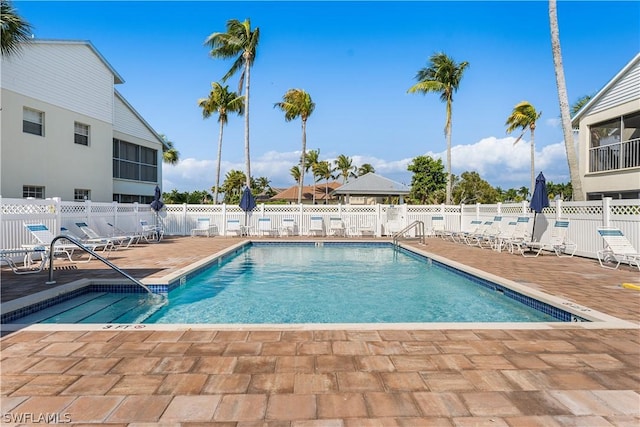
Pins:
x: 179, y: 220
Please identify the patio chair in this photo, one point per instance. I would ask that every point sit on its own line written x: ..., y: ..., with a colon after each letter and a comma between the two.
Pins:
x: 558, y: 243
x: 520, y: 234
x: 265, y: 228
x: 474, y: 238
x: 461, y: 236
x: 489, y: 236
x: 336, y: 227
x: 204, y: 228
x: 117, y: 233
x: 7, y: 257
x: 618, y: 249
x: 316, y: 226
x: 151, y: 233
x: 105, y: 244
x: 233, y: 226
x: 438, y: 226
x: 504, y: 234
x: 43, y: 237
x: 91, y: 236
x: 288, y: 227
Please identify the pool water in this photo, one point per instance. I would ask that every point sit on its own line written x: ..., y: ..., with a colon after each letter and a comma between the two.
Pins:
x: 311, y: 284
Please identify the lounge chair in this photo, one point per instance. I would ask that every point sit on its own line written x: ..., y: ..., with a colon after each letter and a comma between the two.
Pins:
x: 362, y: 230
x: 7, y: 257
x: 150, y: 232
x: 461, y: 236
x: 475, y: 237
x: 520, y: 234
x: 558, y: 243
x: 288, y: 227
x: 316, y: 226
x: 265, y: 228
x: 91, y: 236
x: 336, y: 227
x: 117, y: 233
x: 438, y: 226
x: 489, y: 236
x: 204, y: 228
x: 233, y: 226
x: 618, y: 249
x: 105, y: 244
x: 43, y: 237
x: 505, y: 234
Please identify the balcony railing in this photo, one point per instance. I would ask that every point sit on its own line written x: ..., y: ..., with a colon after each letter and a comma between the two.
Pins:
x: 622, y: 155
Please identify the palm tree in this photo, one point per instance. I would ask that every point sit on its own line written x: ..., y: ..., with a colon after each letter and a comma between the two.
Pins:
x: 323, y: 170
x: 297, y: 103
x: 222, y: 101
x: 239, y: 42
x: 563, y: 99
x: 365, y: 169
x: 312, y: 159
x: 232, y: 186
x: 581, y: 102
x: 295, y: 173
x: 13, y: 29
x: 524, y: 116
x: 170, y: 155
x: 345, y: 165
x: 443, y: 76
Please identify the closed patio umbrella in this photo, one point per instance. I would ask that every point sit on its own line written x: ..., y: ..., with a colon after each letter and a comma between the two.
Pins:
x: 156, y: 205
x: 539, y: 199
x: 247, y: 203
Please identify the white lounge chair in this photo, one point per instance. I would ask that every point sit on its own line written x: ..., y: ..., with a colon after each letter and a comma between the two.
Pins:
x: 7, y: 257
x: 316, y: 226
x: 288, y: 227
x: 105, y: 244
x: 558, y: 243
x: 150, y: 232
x: 43, y: 237
x: 336, y: 227
x: 618, y: 249
x: 438, y: 226
x: 233, y: 226
x: 91, y: 236
x: 121, y: 234
x: 204, y: 228
x: 520, y: 234
x: 265, y: 228
x: 461, y: 236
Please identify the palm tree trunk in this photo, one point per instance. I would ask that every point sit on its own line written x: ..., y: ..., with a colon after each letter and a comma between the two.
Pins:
x: 563, y: 99
x: 247, y: 158
x: 302, y: 157
x: 448, y: 130
x: 215, y: 191
x: 533, y: 155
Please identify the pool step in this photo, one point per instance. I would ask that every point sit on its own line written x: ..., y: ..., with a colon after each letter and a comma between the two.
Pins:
x: 55, y: 310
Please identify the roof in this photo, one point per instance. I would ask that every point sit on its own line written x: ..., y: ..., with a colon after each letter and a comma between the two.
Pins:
x: 291, y: 193
x: 142, y: 120
x: 373, y: 184
x: 117, y: 78
x: 596, y: 98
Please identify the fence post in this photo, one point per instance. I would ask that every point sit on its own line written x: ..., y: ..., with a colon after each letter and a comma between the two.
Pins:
x: 477, y: 211
x: 87, y: 211
x: 301, y: 215
x: 224, y: 219
x: 57, y: 203
x: 525, y: 208
x: 378, y: 220
x: 499, y: 212
x: 606, y: 212
x: 115, y: 213
x: 558, y: 209
x: 184, y: 220
x: 137, y: 215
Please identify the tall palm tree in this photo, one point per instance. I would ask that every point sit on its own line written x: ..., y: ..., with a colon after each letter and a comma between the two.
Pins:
x: 443, y: 76
x: 222, y: 101
x: 170, y: 155
x: 581, y: 102
x: 232, y: 186
x: 345, y: 165
x: 13, y: 29
x: 239, y: 42
x: 365, y: 169
x: 297, y: 103
x: 524, y: 116
x: 312, y: 159
x: 563, y: 99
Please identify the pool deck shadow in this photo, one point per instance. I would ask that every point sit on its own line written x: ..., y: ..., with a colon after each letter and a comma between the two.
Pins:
x: 331, y: 377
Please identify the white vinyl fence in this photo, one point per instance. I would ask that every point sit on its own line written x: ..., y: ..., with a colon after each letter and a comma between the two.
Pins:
x: 179, y: 220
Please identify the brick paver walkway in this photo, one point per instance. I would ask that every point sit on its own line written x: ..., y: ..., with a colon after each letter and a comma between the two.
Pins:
x: 346, y: 377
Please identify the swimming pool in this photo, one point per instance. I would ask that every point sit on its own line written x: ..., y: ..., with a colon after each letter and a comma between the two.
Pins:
x: 314, y: 283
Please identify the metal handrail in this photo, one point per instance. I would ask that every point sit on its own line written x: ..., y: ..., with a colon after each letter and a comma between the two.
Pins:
x: 92, y: 253
x: 418, y: 225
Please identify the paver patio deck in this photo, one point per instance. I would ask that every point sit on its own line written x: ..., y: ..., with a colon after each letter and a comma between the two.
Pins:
x: 562, y: 376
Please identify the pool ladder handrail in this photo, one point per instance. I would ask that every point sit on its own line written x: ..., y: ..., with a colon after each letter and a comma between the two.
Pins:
x: 93, y: 254
x: 418, y: 225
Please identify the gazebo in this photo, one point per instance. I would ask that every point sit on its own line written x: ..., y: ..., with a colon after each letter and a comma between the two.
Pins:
x: 370, y: 189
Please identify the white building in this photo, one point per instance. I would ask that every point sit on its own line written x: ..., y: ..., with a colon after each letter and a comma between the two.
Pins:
x: 609, y: 138
x: 66, y: 132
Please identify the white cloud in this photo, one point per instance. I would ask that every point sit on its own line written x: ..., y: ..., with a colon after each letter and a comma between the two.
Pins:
x: 497, y: 160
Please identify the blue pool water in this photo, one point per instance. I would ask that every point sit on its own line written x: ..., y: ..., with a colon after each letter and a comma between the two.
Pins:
x: 309, y: 284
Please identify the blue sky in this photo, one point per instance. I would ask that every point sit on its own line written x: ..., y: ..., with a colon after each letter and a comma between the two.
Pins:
x: 356, y: 60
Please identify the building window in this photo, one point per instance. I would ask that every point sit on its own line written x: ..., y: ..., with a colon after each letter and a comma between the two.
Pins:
x: 615, y: 144
x: 132, y: 198
x: 80, y: 195
x: 32, y: 121
x: 81, y: 133
x: 131, y: 161
x: 32, y: 191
